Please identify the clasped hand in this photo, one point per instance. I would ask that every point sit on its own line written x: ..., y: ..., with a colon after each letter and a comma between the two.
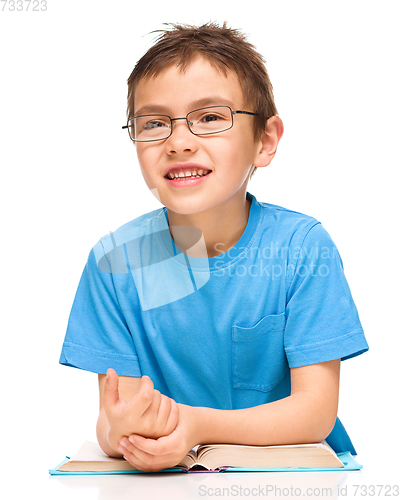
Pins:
x: 151, y: 431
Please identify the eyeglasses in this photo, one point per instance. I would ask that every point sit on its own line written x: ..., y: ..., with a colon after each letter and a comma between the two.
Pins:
x: 203, y: 121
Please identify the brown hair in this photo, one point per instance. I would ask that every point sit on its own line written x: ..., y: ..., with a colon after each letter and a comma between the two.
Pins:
x: 225, y: 48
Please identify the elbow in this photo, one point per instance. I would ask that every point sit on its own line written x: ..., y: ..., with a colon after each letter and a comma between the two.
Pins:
x: 320, y: 434
x: 320, y: 426
x: 319, y: 420
x: 328, y: 426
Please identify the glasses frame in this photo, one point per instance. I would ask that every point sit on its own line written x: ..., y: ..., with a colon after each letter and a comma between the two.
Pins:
x: 238, y: 112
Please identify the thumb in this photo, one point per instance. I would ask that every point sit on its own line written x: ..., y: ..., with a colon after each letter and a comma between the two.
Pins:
x: 110, y: 394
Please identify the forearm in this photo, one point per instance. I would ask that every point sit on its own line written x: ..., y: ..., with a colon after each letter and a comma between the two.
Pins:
x: 299, y: 418
x: 102, y: 433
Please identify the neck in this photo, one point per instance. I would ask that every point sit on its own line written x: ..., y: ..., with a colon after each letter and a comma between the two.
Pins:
x: 221, y: 227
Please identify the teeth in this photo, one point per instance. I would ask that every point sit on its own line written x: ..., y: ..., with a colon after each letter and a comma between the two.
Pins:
x: 199, y: 173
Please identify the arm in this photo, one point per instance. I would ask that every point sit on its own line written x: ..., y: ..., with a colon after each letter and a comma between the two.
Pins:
x: 306, y: 416
x: 131, y: 404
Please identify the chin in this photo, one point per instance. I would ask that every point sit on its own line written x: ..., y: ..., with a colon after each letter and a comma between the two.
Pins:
x: 189, y: 208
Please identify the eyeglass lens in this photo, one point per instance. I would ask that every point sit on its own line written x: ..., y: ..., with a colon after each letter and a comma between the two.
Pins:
x: 203, y: 121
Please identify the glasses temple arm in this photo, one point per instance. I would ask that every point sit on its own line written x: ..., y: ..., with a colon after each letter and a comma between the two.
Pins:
x: 244, y: 113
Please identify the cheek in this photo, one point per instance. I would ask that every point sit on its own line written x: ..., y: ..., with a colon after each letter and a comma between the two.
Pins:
x: 144, y: 161
x: 147, y: 160
x: 141, y: 155
x: 242, y: 143
x: 241, y: 153
x: 227, y: 148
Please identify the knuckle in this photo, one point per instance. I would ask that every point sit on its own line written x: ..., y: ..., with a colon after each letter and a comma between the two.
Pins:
x: 147, y: 381
x: 146, y: 395
x: 166, y: 400
x: 157, y: 393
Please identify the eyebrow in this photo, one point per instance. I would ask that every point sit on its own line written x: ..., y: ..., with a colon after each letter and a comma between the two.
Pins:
x: 199, y: 103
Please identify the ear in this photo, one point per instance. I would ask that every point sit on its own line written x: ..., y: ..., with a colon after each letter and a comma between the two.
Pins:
x: 269, y: 141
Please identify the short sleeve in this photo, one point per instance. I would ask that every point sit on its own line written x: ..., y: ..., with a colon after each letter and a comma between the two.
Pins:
x: 98, y: 336
x: 322, y: 321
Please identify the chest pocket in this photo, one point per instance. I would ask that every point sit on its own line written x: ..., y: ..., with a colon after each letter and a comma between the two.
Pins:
x: 258, y: 357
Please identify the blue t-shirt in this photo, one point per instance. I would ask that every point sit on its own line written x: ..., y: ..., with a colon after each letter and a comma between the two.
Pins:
x: 220, y: 332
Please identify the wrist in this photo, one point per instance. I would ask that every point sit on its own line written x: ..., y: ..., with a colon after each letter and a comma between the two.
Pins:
x: 215, y: 426
x: 199, y: 420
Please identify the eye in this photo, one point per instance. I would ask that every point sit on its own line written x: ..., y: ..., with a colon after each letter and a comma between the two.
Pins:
x: 210, y: 118
x: 155, y: 124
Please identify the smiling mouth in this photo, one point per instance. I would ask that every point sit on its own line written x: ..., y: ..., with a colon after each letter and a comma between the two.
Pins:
x: 182, y: 176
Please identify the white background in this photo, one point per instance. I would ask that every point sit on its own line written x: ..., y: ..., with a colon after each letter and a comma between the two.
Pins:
x: 69, y: 175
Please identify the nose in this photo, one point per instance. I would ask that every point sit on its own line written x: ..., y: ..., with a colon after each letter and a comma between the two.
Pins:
x: 181, y: 138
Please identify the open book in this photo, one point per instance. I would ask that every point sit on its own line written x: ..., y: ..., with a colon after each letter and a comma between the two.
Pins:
x: 90, y: 459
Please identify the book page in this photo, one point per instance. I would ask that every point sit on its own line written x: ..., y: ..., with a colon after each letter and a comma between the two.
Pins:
x: 313, y: 455
x: 91, y: 452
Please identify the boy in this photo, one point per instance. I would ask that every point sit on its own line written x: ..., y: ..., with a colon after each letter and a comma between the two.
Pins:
x: 217, y: 318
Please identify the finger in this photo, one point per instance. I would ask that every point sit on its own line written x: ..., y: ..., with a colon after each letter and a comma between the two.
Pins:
x: 163, y: 413
x: 153, y: 408
x: 131, y: 457
x: 161, y: 446
x: 172, y: 420
x: 144, y: 397
x: 127, y: 450
x: 152, y: 462
x: 110, y: 394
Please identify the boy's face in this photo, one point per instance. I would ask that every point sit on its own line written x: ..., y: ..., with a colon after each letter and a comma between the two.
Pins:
x: 229, y: 154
